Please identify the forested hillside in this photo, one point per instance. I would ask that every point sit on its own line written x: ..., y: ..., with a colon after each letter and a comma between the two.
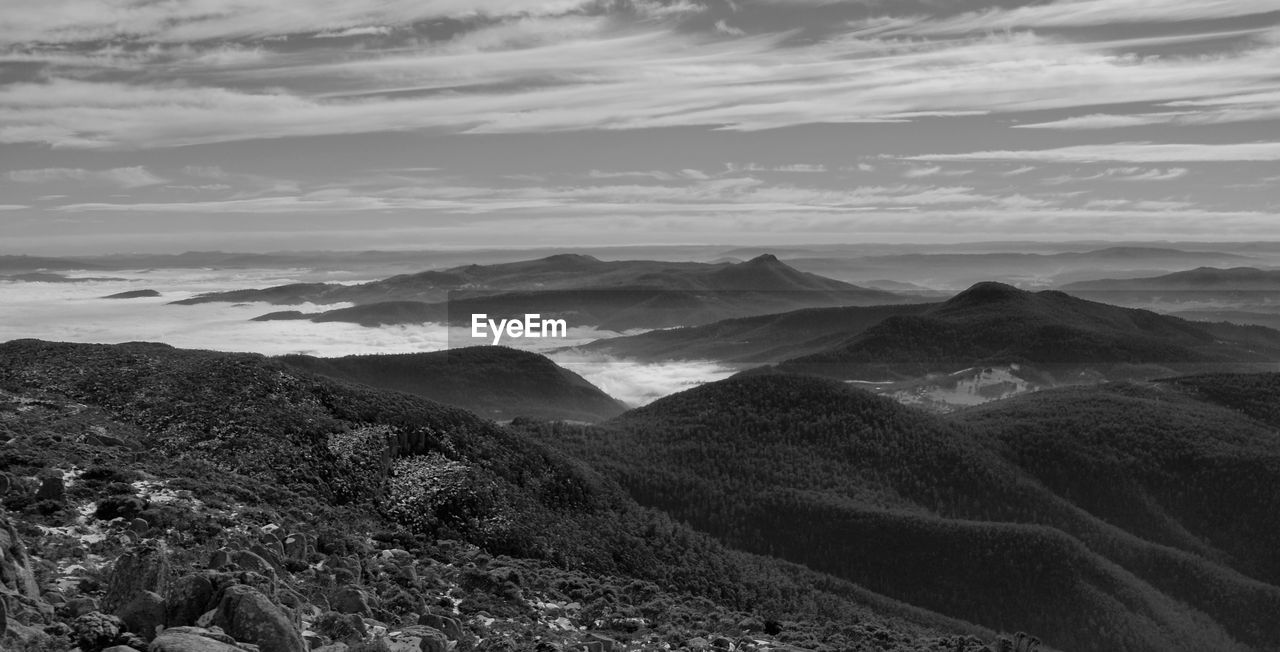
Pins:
x: 1120, y: 533
x: 491, y: 381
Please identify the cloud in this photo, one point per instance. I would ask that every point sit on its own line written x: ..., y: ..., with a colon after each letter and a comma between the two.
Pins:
x: 554, y: 72
x: 1130, y: 152
x: 1084, y: 13
x: 919, y: 172
x: 126, y: 177
x: 637, y: 383
x: 67, y: 21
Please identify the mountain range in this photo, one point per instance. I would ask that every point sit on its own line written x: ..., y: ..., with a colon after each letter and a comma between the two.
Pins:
x: 614, y: 295
x: 1114, y: 517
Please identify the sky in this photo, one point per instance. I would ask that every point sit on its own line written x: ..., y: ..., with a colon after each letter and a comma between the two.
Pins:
x: 137, y: 125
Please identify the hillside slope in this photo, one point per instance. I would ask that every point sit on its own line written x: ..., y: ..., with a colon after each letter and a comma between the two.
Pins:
x: 948, y: 516
x: 156, y: 484
x: 491, y: 381
x: 992, y: 323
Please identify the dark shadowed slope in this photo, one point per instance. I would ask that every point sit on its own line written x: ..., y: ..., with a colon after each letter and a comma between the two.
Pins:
x: 992, y: 323
x: 1199, y: 279
x: 944, y: 515
x: 492, y: 381
x: 762, y: 338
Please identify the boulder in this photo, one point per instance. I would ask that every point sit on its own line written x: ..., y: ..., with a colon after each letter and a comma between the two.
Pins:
x: 188, y: 597
x: 350, y: 600
x: 449, y: 625
x: 171, y: 641
x: 253, y: 562
x: 143, y: 614
x: 143, y: 568
x: 426, y: 639
x: 16, y: 573
x: 247, y: 615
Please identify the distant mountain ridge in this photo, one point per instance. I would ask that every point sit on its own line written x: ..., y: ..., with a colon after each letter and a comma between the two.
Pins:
x: 994, y: 323
x: 492, y: 381
x: 1200, y: 278
x: 614, y: 295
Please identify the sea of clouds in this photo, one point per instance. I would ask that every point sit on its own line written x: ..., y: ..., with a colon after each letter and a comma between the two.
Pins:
x: 77, y: 312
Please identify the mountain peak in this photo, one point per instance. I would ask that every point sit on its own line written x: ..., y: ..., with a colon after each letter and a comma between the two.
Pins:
x: 987, y: 292
x: 764, y: 259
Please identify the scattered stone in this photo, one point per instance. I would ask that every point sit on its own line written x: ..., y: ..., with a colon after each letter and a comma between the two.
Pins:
x: 171, y: 641
x: 80, y: 606
x: 219, y: 558
x: 144, y: 568
x: 247, y: 615
x: 351, y: 600
x: 15, y: 566
x: 189, y: 596
x: 143, y: 614
x: 450, y: 626
x: 252, y: 562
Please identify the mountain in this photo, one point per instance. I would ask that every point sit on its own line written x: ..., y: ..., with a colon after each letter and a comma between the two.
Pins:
x: 492, y: 381
x: 947, y: 270
x: 586, y: 291
x: 1210, y: 279
x: 147, y: 486
x: 762, y: 338
x: 997, y: 324
x: 41, y: 263
x: 1121, y: 517
x: 133, y: 294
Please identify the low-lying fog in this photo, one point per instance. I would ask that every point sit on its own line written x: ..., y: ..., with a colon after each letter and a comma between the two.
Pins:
x: 78, y: 312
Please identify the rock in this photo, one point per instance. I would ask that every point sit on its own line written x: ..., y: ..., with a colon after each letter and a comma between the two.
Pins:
x: 271, y: 556
x: 80, y: 606
x: 95, y: 631
x: 450, y: 626
x: 171, y: 641
x: 52, y: 487
x: 219, y: 558
x: 351, y: 600
x: 698, y: 643
x: 5, y: 484
x: 139, y: 525
x: 606, y: 644
x: 188, y: 597
x: 4, y: 618
x: 143, y: 614
x: 247, y: 615
x: 428, y: 639
x: 120, y: 648
x: 335, y: 647
x: 253, y: 562
x: 15, y: 566
x: 144, y: 568
x: 295, y: 547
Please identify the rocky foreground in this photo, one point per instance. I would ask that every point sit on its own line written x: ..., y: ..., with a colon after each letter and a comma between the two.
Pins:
x: 163, y: 501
